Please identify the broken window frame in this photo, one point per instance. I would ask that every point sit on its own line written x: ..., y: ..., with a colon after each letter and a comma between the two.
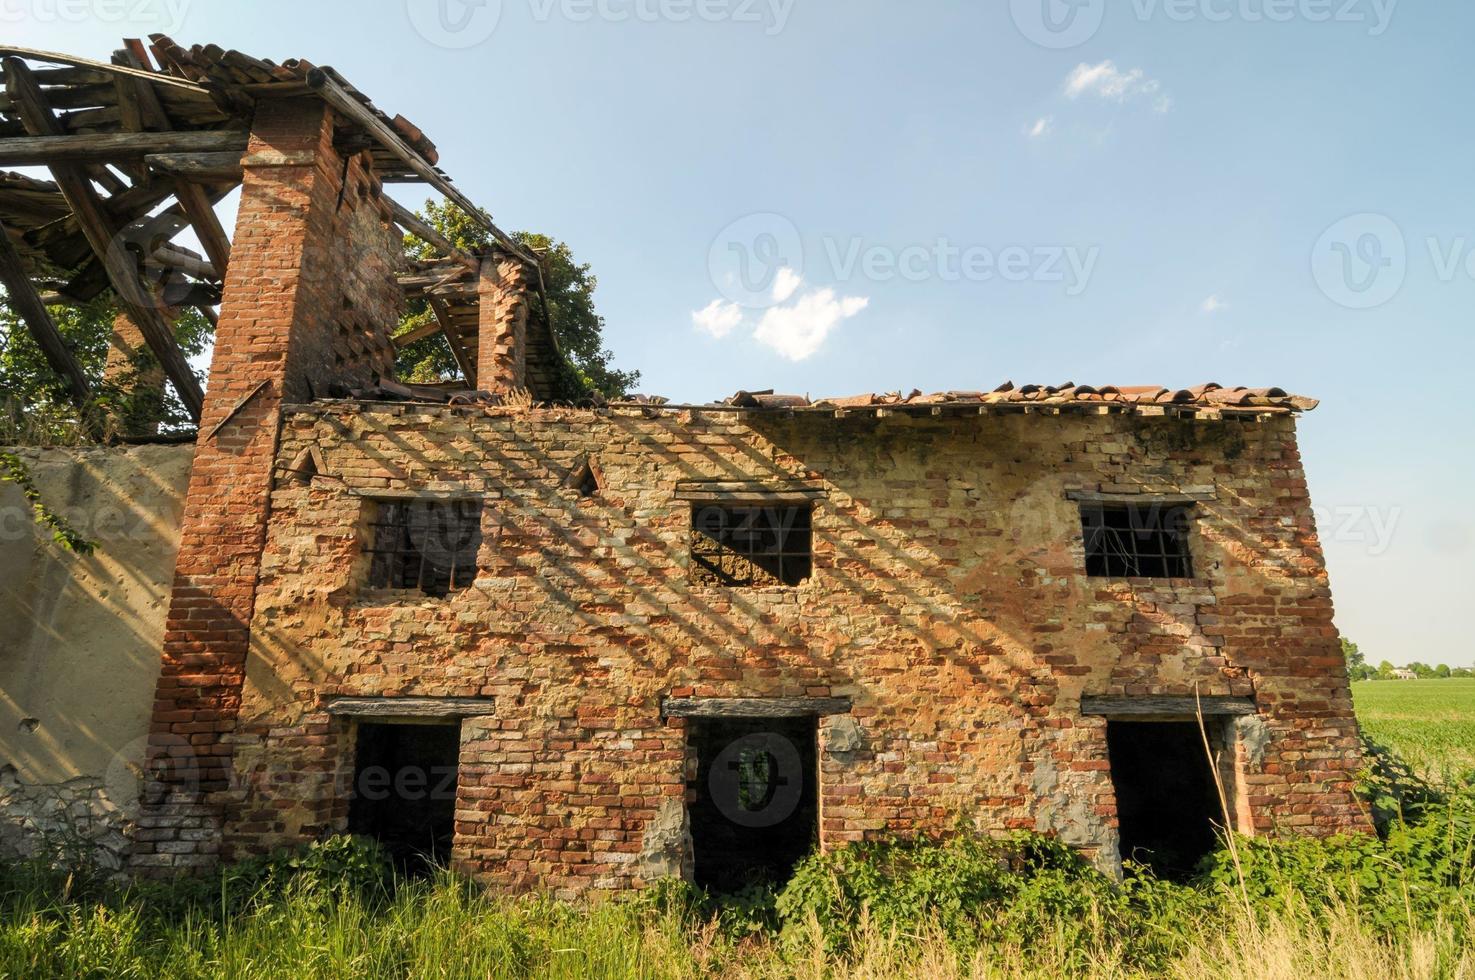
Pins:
x: 1138, y: 540
x: 398, y: 562
x: 779, y: 551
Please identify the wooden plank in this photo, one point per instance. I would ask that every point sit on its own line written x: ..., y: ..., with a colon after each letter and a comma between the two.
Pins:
x: 25, y: 300
x: 94, y: 70
x: 218, y: 167
x: 419, y: 333
x: 1128, y: 707
x: 1144, y: 499
x: 753, y: 707
x: 448, y: 709
x: 412, y: 223
x: 98, y: 227
x: 196, y: 205
x: 465, y: 360
x: 34, y: 151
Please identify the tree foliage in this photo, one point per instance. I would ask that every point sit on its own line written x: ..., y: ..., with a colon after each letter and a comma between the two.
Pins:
x: 37, y: 408
x: 37, y: 405
x: 570, y: 287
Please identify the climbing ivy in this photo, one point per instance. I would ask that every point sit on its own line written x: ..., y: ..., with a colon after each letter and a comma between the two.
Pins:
x: 13, y: 470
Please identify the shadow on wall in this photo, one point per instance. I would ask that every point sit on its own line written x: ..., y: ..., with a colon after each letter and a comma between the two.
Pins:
x: 80, y: 659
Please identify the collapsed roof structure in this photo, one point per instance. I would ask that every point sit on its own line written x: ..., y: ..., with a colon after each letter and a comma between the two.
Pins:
x: 144, y: 146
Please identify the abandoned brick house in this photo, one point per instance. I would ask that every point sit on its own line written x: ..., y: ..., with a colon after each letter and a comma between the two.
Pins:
x: 582, y: 647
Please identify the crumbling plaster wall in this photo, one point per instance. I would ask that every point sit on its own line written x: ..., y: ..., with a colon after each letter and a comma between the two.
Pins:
x: 948, y: 601
x: 79, y: 654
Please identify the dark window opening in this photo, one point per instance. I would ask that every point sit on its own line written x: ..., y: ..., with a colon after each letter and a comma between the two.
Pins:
x: 428, y: 545
x: 404, y: 792
x: 1168, y: 807
x: 751, y: 545
x: 1137, y: 541
x: 756, y: 807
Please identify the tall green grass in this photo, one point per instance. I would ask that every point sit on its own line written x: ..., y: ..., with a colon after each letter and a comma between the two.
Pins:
x: 1397, y: 905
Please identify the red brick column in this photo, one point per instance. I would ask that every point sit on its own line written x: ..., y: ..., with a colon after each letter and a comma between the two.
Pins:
x: 279, y: 283
x: 504, y: 288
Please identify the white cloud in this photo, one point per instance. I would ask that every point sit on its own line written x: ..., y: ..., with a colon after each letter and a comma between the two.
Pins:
x: 718, y: 318
x: 797, y: 331
x: 1214, y: 304
x: 785, y: 284
x: 1106, y: 81
x: 1042, y: 127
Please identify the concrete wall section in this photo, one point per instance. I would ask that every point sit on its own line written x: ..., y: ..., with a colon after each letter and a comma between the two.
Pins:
x: 79, y: 645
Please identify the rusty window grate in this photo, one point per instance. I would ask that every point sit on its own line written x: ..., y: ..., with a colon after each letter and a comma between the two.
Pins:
x: 1137, y: 541
x: 750, y: 544
x: 428, y: 545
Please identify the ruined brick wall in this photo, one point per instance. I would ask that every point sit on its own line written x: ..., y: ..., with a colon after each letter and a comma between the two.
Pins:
x: 504, y: 288
x: 309, y: 298
x: 948, y: 600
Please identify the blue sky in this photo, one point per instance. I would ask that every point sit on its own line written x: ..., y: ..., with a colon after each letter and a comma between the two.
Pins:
x: 1158, y: 193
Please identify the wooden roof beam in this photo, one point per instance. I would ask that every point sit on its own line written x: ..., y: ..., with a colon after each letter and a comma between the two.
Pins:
x: 193, y: 200
x: 41, y: 151
x: 26, y: 301
x: 98, y: 227
x: 464, y: 360
x: 413, y: 224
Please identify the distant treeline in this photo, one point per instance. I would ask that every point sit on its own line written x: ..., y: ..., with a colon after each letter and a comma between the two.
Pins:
x: 1360, y: 670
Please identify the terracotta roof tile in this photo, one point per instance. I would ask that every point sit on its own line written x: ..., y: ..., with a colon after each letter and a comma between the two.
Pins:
x: 1209, y: 397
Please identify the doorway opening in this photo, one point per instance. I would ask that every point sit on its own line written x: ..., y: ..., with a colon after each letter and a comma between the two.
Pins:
x: 756, y: 811
x: 404, y: 791
x: 1168, y: 808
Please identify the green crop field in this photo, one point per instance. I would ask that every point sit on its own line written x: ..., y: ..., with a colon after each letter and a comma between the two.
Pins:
x: 1430, y: 722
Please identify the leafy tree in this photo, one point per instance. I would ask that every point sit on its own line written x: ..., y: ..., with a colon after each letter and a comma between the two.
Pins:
x: 1385, y: 671
x: 1442, y: 670
x: 37, y: 405
x: 570, y: 288
x: 1357, y: 665
x: 1462, y: 672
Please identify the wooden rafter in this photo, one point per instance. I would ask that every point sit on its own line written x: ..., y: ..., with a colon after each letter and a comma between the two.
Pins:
x: 26, y: 301
x: 100, y: 230
x: 192, y: 197
x: 32, y: 151
x: 412, y: 223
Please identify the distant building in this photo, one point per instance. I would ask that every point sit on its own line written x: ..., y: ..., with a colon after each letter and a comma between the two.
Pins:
x: 1404, y: 674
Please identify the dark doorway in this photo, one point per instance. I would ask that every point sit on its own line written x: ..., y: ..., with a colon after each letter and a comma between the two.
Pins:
x: 757, y: 805
x: 404, y: 791
x: 1167, y: 804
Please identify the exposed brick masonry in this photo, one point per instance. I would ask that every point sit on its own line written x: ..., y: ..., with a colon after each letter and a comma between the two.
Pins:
x: 948, y: 600
x: 309, y: 297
